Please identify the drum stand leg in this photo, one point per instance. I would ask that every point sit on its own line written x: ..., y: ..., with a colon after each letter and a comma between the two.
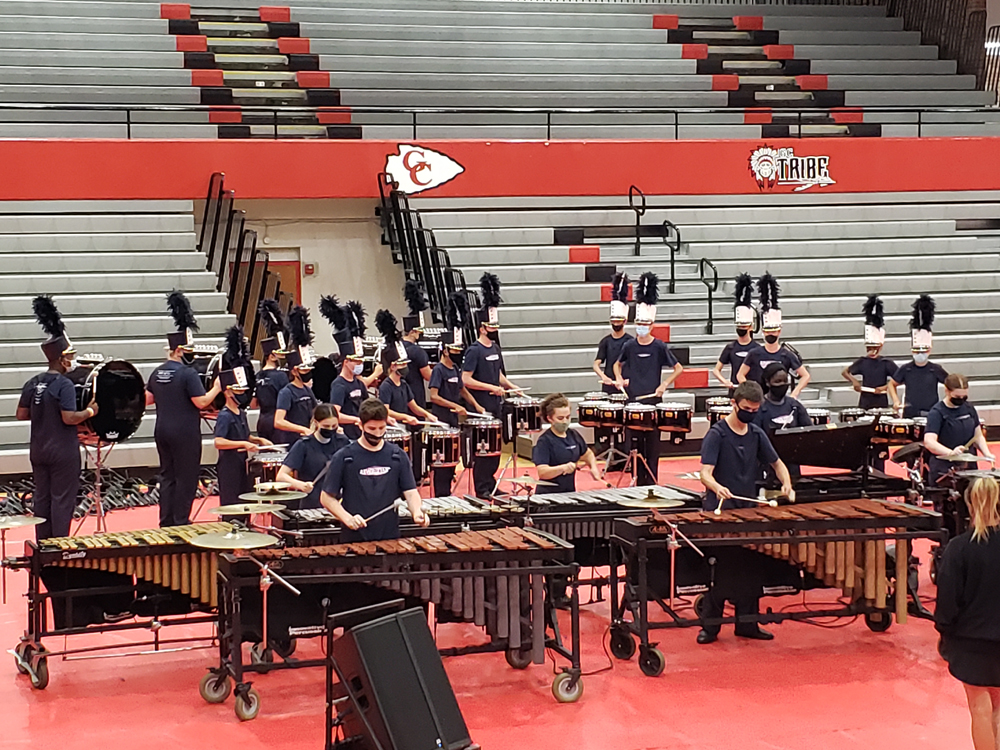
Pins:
x: 99, y: 459
x: 512, y: 460
x: 632, y: 467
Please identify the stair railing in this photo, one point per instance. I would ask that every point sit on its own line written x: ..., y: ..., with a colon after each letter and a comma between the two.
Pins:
x: 711, y: 286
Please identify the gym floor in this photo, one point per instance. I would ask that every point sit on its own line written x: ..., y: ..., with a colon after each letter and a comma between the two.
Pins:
x: 833, y: 686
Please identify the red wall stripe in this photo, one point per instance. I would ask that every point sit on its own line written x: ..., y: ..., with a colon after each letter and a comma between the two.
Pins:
x: 584, y: 254
x: 174, y: 11
x: 661, y: 331
x: 192, y: 44
x: 692, y: 377
x: 293, y: 45
x: 275, y: 13
x: 694, y: 51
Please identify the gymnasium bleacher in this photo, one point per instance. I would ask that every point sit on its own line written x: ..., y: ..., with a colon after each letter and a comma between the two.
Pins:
x: 350, y: 69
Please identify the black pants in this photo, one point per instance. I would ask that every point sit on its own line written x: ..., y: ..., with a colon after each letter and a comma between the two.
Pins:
x: 57, y: 486
x: 484, y: 469
x: 647, y: 442
x: 607, y: 437
x: 180, y: 463
x: 442, y: 477
x: 745, y: 605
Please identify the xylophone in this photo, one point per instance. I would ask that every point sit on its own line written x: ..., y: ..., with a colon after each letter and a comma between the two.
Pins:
x: 767, y: 551
x: 492, y: 578
x: 96, y: 583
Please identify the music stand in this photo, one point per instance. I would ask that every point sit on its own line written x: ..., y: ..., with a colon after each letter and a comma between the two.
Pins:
x: 101, y: 450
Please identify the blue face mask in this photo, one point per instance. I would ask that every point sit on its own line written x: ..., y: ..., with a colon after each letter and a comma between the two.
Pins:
x: 358, y: 368
x: 642, y: 330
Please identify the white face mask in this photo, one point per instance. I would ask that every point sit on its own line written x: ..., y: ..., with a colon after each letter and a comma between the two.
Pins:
x: 642, y: 330
x: 358, y: 368
x: 921, y: 358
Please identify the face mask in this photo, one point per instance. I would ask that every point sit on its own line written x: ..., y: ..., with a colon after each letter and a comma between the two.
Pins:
x: 243, y: 399
x: 402, y: 371
x: 187, y: 358
x: 745, y: 415
x: 327, y: 432
x: 358, y: 369
x: 642, y: 330
x: 617, y: 327
x: 921, y: 358
x: 493, y: 336
x: 372, y: 440
x: 741, y: 332
x: 958, y: 400
x: 771, y: 338
x: 456, y: 358
x: 560, y: 428
x: 777, y: 392
x: 306, y: 376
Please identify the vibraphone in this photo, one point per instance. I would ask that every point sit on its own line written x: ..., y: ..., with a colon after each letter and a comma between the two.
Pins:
x: 765, y: 551
x: 492, y: 578
x: 153, y: 577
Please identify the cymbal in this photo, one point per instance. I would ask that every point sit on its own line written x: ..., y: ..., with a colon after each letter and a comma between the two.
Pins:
x: 15, y: 522
x: 979, y: 473
x: 651, y: 500
x: 237, y: 540
x: 271, y: 487
x: 967, y: 457
x: 531, y: 482
x: 244, y: 509
x: 285, y: 496
x: 907, y: 452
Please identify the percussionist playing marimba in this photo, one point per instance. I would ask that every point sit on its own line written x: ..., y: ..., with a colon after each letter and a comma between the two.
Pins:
x: 953, y: 429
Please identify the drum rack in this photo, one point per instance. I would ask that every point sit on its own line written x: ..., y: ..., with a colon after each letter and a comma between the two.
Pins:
x: 97, y: 451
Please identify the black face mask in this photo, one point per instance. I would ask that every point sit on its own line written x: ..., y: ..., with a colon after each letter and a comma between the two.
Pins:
x: 327, y: 432
x: 771, y: 338
x: 456, y: 358
x: 617, y: 327
x: 958, y: 400
x: 243, y: 399
x: 777, y: 392
x: 493, y: 336
x: 745, y: 415
x: 402, y: 371
x: 187, y: 358
x: 741, y: 332
x: 306, y: 376
x: 372, y: 440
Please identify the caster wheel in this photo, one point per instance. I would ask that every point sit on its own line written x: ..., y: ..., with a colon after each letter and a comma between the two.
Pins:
x: 563, y: 691
x: 652, y: 662
x: 248, y: 708
x: 284, y: 649
x: 24, y: 651
x: 40, y: 677
x: 699, y: 606
x: 261, y: 655
x: 215, y: 689
x: 878, y: 622
x: 622, y: 645
x: 518, y: 658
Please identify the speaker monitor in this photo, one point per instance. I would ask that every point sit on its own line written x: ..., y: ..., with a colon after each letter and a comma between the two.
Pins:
x: 392, y: 669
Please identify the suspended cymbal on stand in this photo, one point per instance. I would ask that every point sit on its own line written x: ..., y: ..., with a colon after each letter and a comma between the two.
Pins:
x: 244, y: 509
x: 651, y: 500
x: 280, y: 496
x: 16, y: 522
x: 527, y: 481
x: 234, y: 540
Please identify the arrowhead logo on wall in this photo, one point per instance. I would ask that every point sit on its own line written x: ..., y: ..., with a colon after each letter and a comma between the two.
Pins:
x: 416, y: 169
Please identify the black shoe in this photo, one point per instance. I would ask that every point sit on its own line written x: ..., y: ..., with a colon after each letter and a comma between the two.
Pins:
x: 705, y: 637
x: 758, y: 634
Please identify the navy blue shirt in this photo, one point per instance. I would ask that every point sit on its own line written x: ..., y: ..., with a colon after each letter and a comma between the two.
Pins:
x: 758, y: 359
x: 789, y: 412
x: 173, y: 385
x: 307, y: 459
x: 608, y: 351
x: 737, y: 460
x: 735, y: 354
x: 396, y: 397
x: 449, y: 387
x: 954, y: 427
x: 298, y: 404
x: 268, y: 385
x: 921, y: 387
x: 645, y: 363
x: 366, y: 482
x: 418, y: 361
x: 875, y: 373
x: 232, y: 465
x: 347, y: 395
x: 486, y: 365
x: 47, y: 396
x: 553, y: 450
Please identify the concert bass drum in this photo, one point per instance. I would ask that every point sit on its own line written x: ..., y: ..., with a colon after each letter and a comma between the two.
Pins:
x: 120, y: 393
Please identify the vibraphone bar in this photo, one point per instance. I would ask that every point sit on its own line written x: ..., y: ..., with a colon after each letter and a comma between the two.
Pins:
x: 839, y: 544
x: 492, y: 578
x: 152, y: 577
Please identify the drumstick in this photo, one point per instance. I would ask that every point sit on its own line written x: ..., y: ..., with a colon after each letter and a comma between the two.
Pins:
x: 771, y: 503
x: 396, y: 504
x: 648, y: 395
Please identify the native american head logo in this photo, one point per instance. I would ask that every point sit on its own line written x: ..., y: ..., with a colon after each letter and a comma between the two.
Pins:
x: 415, y: 168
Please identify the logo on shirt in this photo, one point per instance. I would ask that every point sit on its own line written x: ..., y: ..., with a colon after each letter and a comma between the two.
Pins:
x: 452, y: 380
x: 742, y: 354
x: 415, y: 168
x: 772, y: 167
x: 40, y: 389
x: 645, y: 355
x: 786, y: 419
x: 965, y: 416
x: 164, y: 376
x: 764, y: 363
x: 374, y: 471
x: 492, y: 357
x: 356, y: 394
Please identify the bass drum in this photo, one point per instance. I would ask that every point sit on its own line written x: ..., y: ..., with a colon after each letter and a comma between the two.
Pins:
x: 212, y: 371
x: 324, y: 372
x: 120, y: 393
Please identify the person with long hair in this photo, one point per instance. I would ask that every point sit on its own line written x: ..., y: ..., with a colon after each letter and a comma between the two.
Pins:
x: 968, y: 611
x: 309, y: 456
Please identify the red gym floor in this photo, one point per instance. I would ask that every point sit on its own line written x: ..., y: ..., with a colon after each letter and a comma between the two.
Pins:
x: 824, y: 688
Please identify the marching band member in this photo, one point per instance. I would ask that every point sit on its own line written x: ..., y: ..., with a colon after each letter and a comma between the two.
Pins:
x: 644, y: 359
x: 921, y: 376
x: 874, y: 369
x: 296, y: 400
x: 49, y: 401
x: 953, y: 428
x: 271, y: 378
x: 778, y: 409
x: 366, y: 478
x: 232, y: 430
x: 608, y: 351
x: 395, y: 391
x: 561, y: 449
x: 483, y: 372
x: 732, y: 453
x: 773, y: 350
x: 179, y: 395
x: 447, y: 388
x: 418, y: 374
x: 735, y: 352
x: 349, y: 389
x: 310, y: 455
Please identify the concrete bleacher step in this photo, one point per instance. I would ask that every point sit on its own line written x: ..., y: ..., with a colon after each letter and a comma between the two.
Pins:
x: 531, y: 98
x: 95, y: 283
x: 539, y: 80
x: 125, y: 303
x: 31, y: 223
x: 211, y: 325
x: 492, y: 48
x: 473, y: 65
x: 27, y: 353
x: 141, y: 242
x: 85, y: 41
x: 114, y: 262
x: 403, y: 32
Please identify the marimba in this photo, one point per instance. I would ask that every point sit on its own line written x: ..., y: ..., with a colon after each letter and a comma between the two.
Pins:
x: 493, y: 578
x: 151, y: 577
x: 765, y: 551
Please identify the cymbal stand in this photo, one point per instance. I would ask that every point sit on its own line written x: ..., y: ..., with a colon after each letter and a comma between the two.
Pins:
x: 511, y: 463
x: 613, y: 452
x: 99, y: 457
x: 266, y: 576
x: 632, y: 467
x: 673, y: 545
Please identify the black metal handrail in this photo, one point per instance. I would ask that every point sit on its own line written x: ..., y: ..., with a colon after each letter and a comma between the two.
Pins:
x: 711, y: 288
x: 640, y: 211
x: 992, y: 62
x: 674, y: 249
x: 957, y: 27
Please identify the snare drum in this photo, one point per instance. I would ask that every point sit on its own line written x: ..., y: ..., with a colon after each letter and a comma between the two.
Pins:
x: 589, y: 413
x: 897, y: 431
x: 919, y: 428
x: 640, y: 417
x: 612, y: 415
x: 722, y: 401
x: 442, y: 446
x: 522, y: 414
x: 480, y: 437
x: 819, y: 416
x: 400, y: 436
x: 850, y: 415
x: 596, y: 396
x: 616, y: 398
x: 673, y: 417
x: 718, y: 413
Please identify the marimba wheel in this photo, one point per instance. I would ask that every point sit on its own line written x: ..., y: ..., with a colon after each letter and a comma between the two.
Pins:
x: 878, y: 622
x: 40, y: 674
x: 261, y: 655
x: 565, y: 690
x: 284, y: 649
x: 215, y: 688
x: 622, y: 645
x: 23, y: 656
x: 652, y: 662
x: 247, y: 707
x: 518, y: 658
